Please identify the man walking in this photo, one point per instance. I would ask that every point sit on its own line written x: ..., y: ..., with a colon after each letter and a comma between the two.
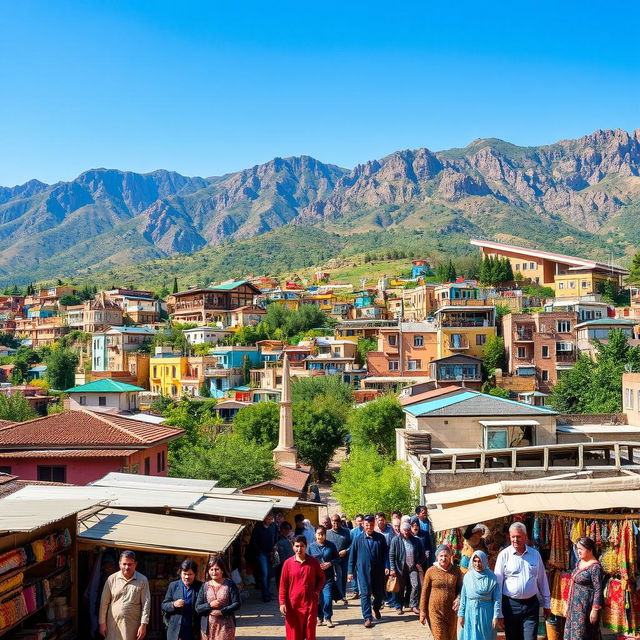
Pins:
x: 369, y: 561
x: 263, y: 541
x: 405, y: 554
x: 357, y: 530
x: 341, y: 537
x: 125, y: 605
x: 426, y: 534
x: 387, y: 531
x: 523, y: 583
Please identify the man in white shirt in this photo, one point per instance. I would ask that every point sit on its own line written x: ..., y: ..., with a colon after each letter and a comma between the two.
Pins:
x: 523, y: 583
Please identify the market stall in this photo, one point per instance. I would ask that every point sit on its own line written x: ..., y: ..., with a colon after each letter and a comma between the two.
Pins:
x: 38, y: 569
x: 557, y: 512
x: 161, y: 543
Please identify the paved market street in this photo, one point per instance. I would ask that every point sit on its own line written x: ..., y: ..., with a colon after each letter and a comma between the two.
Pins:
x: 259, y: 620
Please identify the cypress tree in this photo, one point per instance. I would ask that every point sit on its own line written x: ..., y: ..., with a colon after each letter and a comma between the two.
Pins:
x: 509, y: 271
x: 175, y: 285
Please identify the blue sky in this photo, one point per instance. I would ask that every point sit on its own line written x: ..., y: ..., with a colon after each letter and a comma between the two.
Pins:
x: 206, y: 88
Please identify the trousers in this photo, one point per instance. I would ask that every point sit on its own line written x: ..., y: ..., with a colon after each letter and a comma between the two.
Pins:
x: 266, y: 573
x: 325, y: 601
x: 520, y: 618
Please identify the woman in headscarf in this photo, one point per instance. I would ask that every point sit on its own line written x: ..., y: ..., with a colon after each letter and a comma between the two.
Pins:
x: 440, y: 596
x: 474, y: 540
x: 480, y: 600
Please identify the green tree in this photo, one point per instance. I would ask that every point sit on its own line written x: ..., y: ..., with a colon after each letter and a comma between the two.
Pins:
x: 69, y: 300
x: 634, y: 270
x: 231, y: 460
x: 368, y: 482
x: 61, y: 367
x: 258, y: 423
x: 375, y: 424
x: 204, y: 391
x: 246, y: 369
x: 332, y: 390
x: 175, y: 285
x: 485, y: 271
x: 509, y: 276
x: 16, y: 408
x: 569, y: 393
x: 499, y: 392
x: 318, y: 431
x: 493, y: 354
x: 365, y: 345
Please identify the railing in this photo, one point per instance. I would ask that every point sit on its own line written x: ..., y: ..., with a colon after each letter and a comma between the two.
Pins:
x: 523, y: 335
x: 570, y: 457
x: 222, y: 371
x: 565, y: 356
x: 458, y: 344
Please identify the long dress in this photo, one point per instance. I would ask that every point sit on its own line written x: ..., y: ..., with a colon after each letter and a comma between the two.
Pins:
x: 220, y: 627
x: 439, y: 589
x: 300, y: 585
x: 480, y: 602
x: 585, y: 591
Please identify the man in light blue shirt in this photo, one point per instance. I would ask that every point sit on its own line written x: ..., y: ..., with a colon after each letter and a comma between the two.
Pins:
x: 524, y: 586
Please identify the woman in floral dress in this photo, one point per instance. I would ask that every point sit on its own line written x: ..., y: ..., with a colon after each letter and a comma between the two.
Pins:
x: 585, y: 595
x: 217, y: 601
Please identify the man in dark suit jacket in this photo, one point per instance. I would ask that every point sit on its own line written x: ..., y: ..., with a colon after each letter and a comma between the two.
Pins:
x: 179, y: 604
x: 406, y: 553
x: 369, y: 560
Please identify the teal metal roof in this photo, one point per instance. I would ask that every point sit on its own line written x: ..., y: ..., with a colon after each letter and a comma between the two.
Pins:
x: 229, y: 285
x: 621, y: 322
x: 104, y: 386
x: 243, y: 387
x: 438, y: 403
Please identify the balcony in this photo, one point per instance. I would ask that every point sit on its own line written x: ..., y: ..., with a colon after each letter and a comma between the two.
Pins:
x: 460, y: 344
x: 218, y: 372
x: 523, y: 335
x: 565, y: 357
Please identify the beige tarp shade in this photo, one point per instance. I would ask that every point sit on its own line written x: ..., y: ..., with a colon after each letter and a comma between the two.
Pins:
x: 28, y: 515
x: 152, y: 531
x: 581, y: 495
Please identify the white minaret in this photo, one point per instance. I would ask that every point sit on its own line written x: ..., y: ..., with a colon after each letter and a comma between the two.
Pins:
x: 285, y: 453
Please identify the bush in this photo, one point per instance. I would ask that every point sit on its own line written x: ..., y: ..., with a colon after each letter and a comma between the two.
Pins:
x: 258, y: 423
x: 375, y: 424
x: 368, y: 482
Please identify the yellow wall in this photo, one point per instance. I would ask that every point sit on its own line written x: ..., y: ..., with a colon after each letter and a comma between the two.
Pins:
x: 161, y: 375
x: 469, y: 335
x: 573, y: 284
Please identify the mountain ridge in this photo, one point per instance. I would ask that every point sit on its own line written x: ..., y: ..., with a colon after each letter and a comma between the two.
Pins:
x: 587, y: 189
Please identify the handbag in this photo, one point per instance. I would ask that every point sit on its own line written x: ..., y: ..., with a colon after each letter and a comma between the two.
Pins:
x: 393, y: 584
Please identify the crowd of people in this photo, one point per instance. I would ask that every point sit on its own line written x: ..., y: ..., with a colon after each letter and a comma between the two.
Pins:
x: 393, y: 565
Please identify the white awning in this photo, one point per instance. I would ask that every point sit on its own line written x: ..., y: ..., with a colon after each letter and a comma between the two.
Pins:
x: 29, y: 515
x: 139, y: 530
x: 501, y: 499
x: 509, y: 423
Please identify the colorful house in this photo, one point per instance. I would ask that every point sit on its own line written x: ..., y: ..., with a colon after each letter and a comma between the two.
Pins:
x: 228, y: 370
x: 79, y: 447
x: 166, y: 370
x: 104, y: 395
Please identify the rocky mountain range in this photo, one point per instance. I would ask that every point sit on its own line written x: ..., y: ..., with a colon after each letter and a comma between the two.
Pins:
x: 581, y: 195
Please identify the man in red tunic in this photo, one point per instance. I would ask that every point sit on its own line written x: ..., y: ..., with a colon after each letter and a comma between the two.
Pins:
x: 300, y: 584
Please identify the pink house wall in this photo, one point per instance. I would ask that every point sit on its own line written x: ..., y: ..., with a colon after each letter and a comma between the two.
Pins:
x: 81, y: 471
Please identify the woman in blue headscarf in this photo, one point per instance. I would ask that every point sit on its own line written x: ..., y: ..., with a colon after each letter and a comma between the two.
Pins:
x: 479, y: 600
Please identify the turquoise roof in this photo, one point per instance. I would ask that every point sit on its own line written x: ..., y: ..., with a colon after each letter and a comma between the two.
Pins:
x: 243, y: 387
x: 438, y: 403
x: 229, y: 285
x: 104, y: 386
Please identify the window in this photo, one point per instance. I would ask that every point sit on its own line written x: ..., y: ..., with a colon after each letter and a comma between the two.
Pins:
x: 628, y: 398
x: 585, y: 284
x: 545, y: 351
x: 560, y: 285
x: 102, y: 401
x: 496, y: 438
x: 572, y: 285
x: 158, y: 462
x: 164, y: 460
x: 418, y: 341
x: 155, y: 371
x: 524, y: 266
x: 522, y: 353
x: 564, y: 326
x: 393, y: 340
x: 414, y: 365
x: 173, y: 372
x: 532, y: 265
x: 481, y: 338
x: 545, y: 375
x: 394, y: 365
x: 83, y: 400
x: 147, y: 466
x: 564, y: 347
x: 517, y: 267
x: 52, y: 473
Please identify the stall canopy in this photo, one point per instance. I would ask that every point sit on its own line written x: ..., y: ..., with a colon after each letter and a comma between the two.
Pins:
x: 29, y: 515
x: 451, y: 509
x: 154, y: 532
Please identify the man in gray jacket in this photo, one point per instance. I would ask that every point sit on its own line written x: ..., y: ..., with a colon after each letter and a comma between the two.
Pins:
x: 341, y: 537
x: 406, y: 552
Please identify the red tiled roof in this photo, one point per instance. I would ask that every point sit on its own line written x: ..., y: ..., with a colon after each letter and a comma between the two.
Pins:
x: 5, y: 423
x: 427, y: 395
x: 84, y: 429
x: 68, y: 453
x: 294, y: 478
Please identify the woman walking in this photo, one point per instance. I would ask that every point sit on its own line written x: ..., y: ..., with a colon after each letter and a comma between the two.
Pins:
x: 217, y: 601
x: 183, y: 622
x: 440, y: 596
x: 585, y: 595
x: 480, y: 600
